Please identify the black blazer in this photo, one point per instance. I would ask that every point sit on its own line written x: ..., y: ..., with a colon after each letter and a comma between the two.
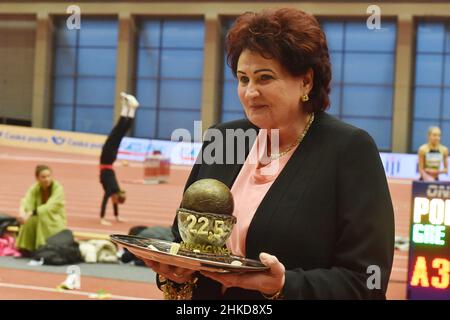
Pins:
x: 327, y: 217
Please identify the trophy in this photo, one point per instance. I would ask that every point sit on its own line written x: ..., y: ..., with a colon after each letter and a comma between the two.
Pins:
x: 205, y: 218
x: 205, y: 222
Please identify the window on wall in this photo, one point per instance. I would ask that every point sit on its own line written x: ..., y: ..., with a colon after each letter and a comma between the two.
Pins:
x: 431, y: 94
x: 84, y: 76
x: 363, y: 66
x: 231, y: 106
x: 168, y: 76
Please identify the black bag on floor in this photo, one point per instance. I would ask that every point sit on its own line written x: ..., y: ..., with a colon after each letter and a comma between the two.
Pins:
x: 6, y: 221
x: 156, y: 232
x: 60, y: 249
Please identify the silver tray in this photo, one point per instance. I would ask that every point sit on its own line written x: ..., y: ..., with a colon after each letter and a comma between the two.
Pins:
x: 195, y: 261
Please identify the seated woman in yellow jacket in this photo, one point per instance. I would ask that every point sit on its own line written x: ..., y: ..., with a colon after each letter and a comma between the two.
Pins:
x: 42, y: 211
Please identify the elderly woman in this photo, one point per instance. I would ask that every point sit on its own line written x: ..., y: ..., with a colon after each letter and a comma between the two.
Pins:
x: 323, y: 220
x: 42, y: 211
x: 432, y: 155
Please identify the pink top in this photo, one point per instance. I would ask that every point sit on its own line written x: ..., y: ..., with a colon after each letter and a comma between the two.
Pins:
x: 249, y: 189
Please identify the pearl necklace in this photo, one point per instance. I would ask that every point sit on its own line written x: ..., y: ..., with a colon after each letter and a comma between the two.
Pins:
x: 275, y: 156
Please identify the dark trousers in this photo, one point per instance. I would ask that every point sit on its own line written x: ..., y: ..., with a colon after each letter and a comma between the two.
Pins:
x: 104, y: 203
x: 111, y: 146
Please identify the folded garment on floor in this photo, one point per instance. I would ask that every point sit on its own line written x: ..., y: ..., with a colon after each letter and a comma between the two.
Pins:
x: 7, y: 246
x: 97, y: 251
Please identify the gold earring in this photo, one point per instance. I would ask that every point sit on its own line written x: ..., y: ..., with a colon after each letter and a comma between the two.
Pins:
x: 305, y: 98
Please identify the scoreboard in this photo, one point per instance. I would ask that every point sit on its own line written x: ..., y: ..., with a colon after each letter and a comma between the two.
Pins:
x: 429, y: 248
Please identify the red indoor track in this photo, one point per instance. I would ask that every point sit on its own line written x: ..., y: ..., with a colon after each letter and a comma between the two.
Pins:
x: 148, y: 205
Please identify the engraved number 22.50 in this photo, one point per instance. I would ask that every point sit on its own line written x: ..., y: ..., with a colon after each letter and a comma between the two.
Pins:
x: 218, y: 231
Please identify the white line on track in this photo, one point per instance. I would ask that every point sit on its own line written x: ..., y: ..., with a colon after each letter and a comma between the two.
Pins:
x: 400, y: 181
x: 135, y: 216
x: 45, y: 159
x: 74, y: 292
x: 111, y: 231
x: 75, y: 161
x: 101, y: 231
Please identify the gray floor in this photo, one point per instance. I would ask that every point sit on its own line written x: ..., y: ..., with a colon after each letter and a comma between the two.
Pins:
x: 100, y: 270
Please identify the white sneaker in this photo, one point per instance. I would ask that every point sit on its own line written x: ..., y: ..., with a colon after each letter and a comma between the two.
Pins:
x: 72, y: 282
x: 401, y: 243
x: 105, y: 223
x: 129, y: 100
x: 36, y: 263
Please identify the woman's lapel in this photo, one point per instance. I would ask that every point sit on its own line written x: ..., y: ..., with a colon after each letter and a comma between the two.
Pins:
x: 298, y: 167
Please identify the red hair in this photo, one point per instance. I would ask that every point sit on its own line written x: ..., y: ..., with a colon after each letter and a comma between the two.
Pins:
x: 290, y: 36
